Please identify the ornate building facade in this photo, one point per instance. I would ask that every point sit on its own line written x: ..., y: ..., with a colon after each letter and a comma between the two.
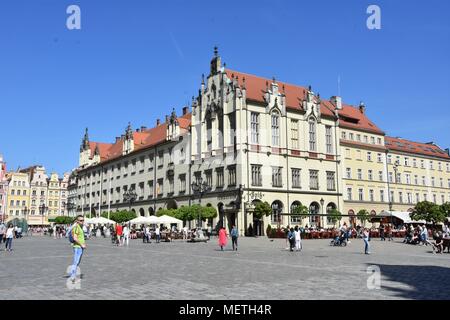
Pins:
x: 3, y: 190
x: 253, y: 139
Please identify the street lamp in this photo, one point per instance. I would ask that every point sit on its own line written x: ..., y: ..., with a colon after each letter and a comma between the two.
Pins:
x: 321, y: 203
x: 396, y: 165
x: 200, y: 187
x: 129, y: 196
x: 42, y: 209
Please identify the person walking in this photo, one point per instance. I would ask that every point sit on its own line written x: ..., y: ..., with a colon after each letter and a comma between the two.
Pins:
x: 119, y: 233
x: 382, y: 238
x: 126, y: 234
x: 234, y: 237
x: 78, y: 243
x: 222, y: 238
x: 366, y: 235
x: 10, y: 234
x: 2, y: 232
x: 157, y: 234
x: 291, y: 239
x: 298, y: 239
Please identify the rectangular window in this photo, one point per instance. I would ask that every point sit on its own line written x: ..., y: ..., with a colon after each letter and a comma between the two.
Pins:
x: 275, y: 129
x: 406, y: 162
x: 312, y: 135
x: 276, y: 177
x: 358, y: 155
x: 349, y: 193
x: 372, y: 140
x: 392, y: 196
x: 439, y: 166
x: 415, y: 163
x: 220, y: 179
x: 379, y: 141
x: 329, y: 139
x: 331, y: 185
x: 358, y: 137
x: 347, y: 153
x: 344, y: 135
x: 398, y: 178
x: 350, y: 135
x: 408, y: 178
x: 160, y: 159
x: 379, y: 157
x: 431, y: 165
x: 382, y: 195
x: 359, y: 174
x: 171, y: 185
x: 434, y: 198
x: 389, y: 159
x: 314, y: 179
x: 380, y: 175
x: 348, y: 172
x: 448, y: 167
x: 296, y: 178
x: 409, y: 196
x: 442, y: 199
x: 441, y: 182
x: 232, y: 176
x: 417, y: 198
x: 400, y: 197
x: 370, y: 175
x: 150, y: 162
x: 424, y: 181
x: 360, y: 194
x: 256, y: 175
x: 366, y: 139
x: 160, y: 187
x: 422, y: 164
x: 432, y: 181
x: 209, y: 178
x: 150, y: 187
x: 416, y: 179
x: 371, y: 196
x: 425, y: 197
x: 369, y: 156
x: 294, y: 134
x: 254, y: 119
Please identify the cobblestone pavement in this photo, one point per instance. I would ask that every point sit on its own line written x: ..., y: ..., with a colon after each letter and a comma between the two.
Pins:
x: 261, y: 269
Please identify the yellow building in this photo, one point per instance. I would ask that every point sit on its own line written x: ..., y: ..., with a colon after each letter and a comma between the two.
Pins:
x: 54, y: 197
x: 18, y: 195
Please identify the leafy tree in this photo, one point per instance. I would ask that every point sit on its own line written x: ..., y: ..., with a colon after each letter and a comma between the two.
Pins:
x: 120, y: 216
x: 446, y: 209
x: 262, y: 209
x: 363, y: 215
x: 334, y: 215
x: 63, y: 220
x: 167, y: 212
x: 428, y: 211
x: 301, y: 211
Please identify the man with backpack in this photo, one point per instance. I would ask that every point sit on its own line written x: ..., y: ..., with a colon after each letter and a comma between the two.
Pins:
x: 234, y: 237
x: 76, y: 237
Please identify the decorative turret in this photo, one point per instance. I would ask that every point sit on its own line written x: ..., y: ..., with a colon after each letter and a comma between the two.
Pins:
x: 173, y: 127
x: 85, y: 142
x: 215, y: 62
x: 128, y: 141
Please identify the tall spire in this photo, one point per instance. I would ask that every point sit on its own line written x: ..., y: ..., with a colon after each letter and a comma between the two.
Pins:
x: 85, y: 141
x: 215, y: 62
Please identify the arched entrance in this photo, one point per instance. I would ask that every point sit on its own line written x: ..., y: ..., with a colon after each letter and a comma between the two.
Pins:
x: 171, y: 204
x: 141, y: 212
x: 352, y: 218
x: 314, y: 210
x: 231, y: 215
x: 257, y: 228
x: 330, y: 207
x: 151, y: 211
x: 295, y: 219
x: 221, y: 211
x: 277, y: 210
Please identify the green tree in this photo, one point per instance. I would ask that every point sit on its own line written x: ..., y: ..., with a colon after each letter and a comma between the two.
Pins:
x: 446, y: 209
x: 301, y: 211
x: 429, y: 212
x: 120, y: 216
x: 363, y: 215
x: 63, y: 220
x: 262, y: 209
x: 334, y: 215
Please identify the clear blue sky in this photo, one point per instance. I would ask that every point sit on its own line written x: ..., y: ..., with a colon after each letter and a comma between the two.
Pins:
x: 134, y: 60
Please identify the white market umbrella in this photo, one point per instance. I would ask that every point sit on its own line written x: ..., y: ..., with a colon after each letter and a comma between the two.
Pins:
x: 169, y: 220
x: 145, y: 220
x: 99, y: 220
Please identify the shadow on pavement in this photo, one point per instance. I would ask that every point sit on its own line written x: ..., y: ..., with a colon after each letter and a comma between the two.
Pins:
x: 424, y: 282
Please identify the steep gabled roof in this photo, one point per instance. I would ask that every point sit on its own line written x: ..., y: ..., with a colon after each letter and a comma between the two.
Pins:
x: 403, y: 145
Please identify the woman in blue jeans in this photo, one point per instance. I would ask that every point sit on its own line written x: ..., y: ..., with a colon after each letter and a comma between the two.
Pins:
x: 9, y: 237
x: 366, y: 241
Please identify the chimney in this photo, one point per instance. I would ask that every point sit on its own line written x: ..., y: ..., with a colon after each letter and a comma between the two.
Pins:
x: 185, y: 110
x: 117, y: 139
x: 167, y: 118
x: 122, y: 137
x: 137, y: 130
x: 448, y: 151
x: 143, y: 128
x: 158, y: 122
x: 362, y: 107
x: 337, y: 102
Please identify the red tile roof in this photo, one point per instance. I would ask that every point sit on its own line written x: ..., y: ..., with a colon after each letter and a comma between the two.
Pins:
x: 399, y: 144
x: 350, y: 117
x: 143, y: 139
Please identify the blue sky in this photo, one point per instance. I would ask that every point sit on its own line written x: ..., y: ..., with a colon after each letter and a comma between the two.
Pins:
x: 135, y: 60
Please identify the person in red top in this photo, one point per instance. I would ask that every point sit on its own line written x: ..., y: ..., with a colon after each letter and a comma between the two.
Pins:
x: 222, y: 238
x: 119, y: 234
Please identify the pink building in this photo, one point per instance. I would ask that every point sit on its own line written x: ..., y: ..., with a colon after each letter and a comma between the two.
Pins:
x: 3, y: 189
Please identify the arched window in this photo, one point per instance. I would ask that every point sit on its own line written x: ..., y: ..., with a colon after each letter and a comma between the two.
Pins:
x: 275, y: 129
x: 312, y: 134
x: 295, y: 219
